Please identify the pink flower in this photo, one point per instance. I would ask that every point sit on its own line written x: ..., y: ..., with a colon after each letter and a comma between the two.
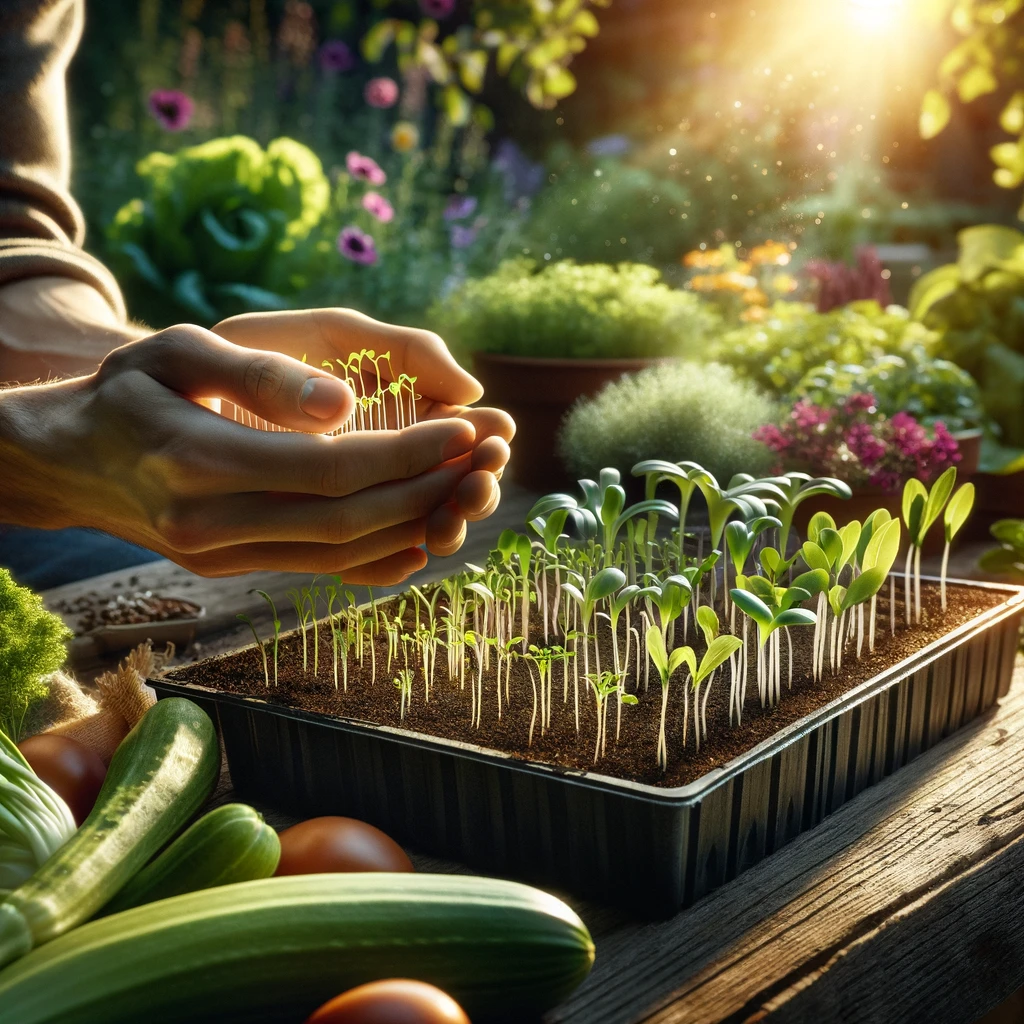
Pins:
x: 357, y: 246
x: 772, y: 436
x: 907, y: 434
x: 381, y: 92
x: 437, y: 8
x: 861, y: 441
x: 886, y: 480
x: 365, y: 168
x: 378, y: 207
x: 861, y: 401
x: 172, y: 108
x: 809, y: 416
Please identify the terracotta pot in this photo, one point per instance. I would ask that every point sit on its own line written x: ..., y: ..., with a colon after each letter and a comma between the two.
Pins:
x: 537, y: 393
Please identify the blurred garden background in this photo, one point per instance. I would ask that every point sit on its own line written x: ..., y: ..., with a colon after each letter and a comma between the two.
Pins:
x: 800, y: 202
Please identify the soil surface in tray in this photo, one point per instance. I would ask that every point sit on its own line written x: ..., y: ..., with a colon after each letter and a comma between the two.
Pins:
x: 634, y: 757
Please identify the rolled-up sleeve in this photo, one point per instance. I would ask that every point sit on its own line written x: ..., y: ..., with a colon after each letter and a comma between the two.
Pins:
x: 41, y: 227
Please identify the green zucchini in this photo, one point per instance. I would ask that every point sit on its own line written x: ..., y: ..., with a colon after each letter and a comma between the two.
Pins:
x: 275, y: 949
x: 160, y: 775
x: 230, y: 844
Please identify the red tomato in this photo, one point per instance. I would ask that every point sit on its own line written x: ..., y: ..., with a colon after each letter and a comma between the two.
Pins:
x: 396, y: 1001
x: 338, y: 844
x: 71, y: 769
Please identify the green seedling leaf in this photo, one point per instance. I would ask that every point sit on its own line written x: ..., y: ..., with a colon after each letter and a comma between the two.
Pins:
x: 864, y: 587
x: 850, y: 535
x: 718, y: 652
x: 957, y: 511
x: 912, y: 490
x: 628, y: 698
x: 1009, y: 531
x: 662, y: 508
x: 604, y: 584
x: 550, y: 503
x: 796, y: 617
x: 815, y: 558
x: 873, y: 522
x: 831, y: 543
x: 762, y: 588
x: 613, y: 501
x: 818, y: 522
x: 814, y: 582
x: 884, y: 547
x: 937, y: 498
x: 770, y: 560
x: 707, y: 619
x: 836, y: 596
x: 794, y: 595
x: 750, y: 604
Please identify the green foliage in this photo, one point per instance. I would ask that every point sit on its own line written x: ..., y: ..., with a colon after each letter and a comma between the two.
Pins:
x: 220, y: 229
x: 698, y: 412
x: 1008, y: 558
x: 603, y: 211
x: 985, y: 60
x: 32, y: 645
x: 565, y: 310
x: 977, y: 307
x: 929, y: 389
x: 779, y: 351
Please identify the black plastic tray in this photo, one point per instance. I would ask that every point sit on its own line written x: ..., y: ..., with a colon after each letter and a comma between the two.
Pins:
x: 651, y: 849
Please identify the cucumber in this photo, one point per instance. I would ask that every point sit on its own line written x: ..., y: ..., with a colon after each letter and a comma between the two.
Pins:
x: 230, y: 844
x: 275, y: 949
x: 160, y: 775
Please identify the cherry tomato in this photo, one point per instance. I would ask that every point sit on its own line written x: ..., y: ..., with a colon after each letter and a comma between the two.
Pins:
x: 71, y: 769
x: 338, y: 844
x: 396, y: 1001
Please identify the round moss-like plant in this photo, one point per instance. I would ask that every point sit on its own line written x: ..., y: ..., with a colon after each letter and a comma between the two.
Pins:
x: 701, y: 412
x: 572, y: 311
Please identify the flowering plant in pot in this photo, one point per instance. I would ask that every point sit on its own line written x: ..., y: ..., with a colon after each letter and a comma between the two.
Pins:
x: 542, y: 337
x: 856, y: 442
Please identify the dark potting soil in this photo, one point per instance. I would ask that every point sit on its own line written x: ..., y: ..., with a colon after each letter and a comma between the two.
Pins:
x: 634, y: 756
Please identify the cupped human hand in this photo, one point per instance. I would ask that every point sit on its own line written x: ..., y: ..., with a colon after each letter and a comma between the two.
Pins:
x: 130, y: 450
x: 445, y: 390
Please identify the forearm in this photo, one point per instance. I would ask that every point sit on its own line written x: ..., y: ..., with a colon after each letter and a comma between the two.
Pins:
x: 56, y: 327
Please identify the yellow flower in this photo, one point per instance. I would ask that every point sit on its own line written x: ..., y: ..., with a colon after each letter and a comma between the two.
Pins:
x: 755, y: 297
x: 785, y: 283
x: 753, y: 314
x: 702, y: 259
x: 770, y: 254
x: 405, y: 136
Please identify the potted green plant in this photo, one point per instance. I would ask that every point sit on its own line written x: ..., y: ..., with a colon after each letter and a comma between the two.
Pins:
x: 607, y: 714
x: 977, y: 307
x: 540, y: 337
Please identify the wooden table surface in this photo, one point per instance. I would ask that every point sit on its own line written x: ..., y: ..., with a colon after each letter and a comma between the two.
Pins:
x: 905, y: 905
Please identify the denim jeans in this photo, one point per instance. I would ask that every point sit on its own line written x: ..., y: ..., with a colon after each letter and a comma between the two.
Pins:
x: 42, y: 559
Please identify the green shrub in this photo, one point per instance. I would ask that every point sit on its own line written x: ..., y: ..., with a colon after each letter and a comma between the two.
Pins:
x: 679, y: 411
x: 31, y: 647
x: 977, y: 307
x: 220, y: 230
x: 777, y: 351
x: 565, y: 310
x: 607, y: 211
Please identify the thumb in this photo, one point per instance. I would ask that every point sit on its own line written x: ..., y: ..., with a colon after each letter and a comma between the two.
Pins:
x: 197, y: 363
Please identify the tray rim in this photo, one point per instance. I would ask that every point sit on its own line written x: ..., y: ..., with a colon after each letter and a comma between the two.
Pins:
x: 689, y: 795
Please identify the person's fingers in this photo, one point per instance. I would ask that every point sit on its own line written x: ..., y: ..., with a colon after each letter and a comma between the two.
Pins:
x: 491, y: 455
x: 488, y: 422
x: 208, y: 523
x: 446, y: 530
x: 477, y: 496
x: 315, y: 559
x: 199, y: 364
x: 334, y: 333
x: 228, y: 457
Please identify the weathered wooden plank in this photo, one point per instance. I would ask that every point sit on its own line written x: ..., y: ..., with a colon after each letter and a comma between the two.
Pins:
x: 917, y: 831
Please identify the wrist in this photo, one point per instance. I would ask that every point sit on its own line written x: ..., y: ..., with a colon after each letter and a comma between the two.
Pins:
x: 36, y: 423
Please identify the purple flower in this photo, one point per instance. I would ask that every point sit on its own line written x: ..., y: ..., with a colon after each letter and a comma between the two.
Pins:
x: 381, y: 93
x: 772, y: 436
x: 861, y: 441
x: 462, y: 237
x: 335, y: 57
x: 357, y: 246
x: 907, y: 434
x: 861, y: 401
x: 378, y: 207
x: 459, y: 207
x: 609, y: 145
x: 808, y: 416
x: 437, y: 8
x: 365, y: 168
x: 522, y: 176
x: 172, y: 108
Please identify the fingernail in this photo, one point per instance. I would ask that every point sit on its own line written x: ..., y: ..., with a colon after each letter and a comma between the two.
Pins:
x: 322, y: 398
x: 455, y: 446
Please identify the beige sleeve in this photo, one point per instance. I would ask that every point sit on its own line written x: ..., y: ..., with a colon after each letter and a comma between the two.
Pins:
x: 41, y: 227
